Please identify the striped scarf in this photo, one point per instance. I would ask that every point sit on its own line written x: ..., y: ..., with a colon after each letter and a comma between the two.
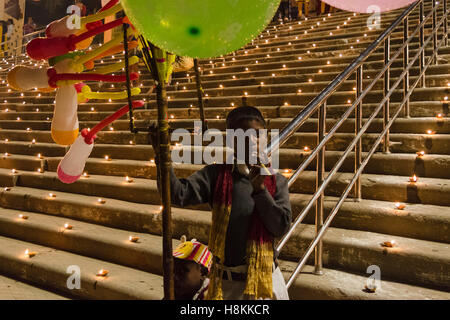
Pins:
x: 259, y: 243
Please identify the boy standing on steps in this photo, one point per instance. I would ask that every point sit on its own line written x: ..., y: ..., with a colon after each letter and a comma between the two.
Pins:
x: 248, y: 211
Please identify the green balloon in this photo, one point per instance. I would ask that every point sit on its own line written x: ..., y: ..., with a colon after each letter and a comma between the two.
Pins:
x: 200, y: 28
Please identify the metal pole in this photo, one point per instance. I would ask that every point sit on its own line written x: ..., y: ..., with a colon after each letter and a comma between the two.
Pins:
x: 434, y: 32
x: 320, y: 177
x: 387, y: 79
x: 405, y: 65
x: 165, y: 167
x: 201, y: 104
x: 358, y: 125
x: 421, y: 40
x: 445, y: 23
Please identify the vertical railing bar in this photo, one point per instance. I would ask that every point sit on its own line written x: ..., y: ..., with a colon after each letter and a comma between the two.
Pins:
x: 421, y: 40
x: 435, y: 34
x: 358, y: 125
x: 321, y: 129
x: 387, y: 79
x: 405, y: 64
x: 445, y: 23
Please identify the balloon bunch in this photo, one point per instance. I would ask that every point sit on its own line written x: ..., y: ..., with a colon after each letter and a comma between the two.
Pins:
x: 71, y: 63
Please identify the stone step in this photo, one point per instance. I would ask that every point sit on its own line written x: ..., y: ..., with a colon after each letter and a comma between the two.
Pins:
x: 426, y: 191
x: 286, y: 53
x: 400, y: 143
x: 431, y: 166
x: 429, y: 260
x: 279, y: 99
x: 339, y: 285
x: 49, y: 268
x: 133, y: 160
x: 226, y: 87
x: 304, y: 75
x: 265, y: 88
x: 426, y: 222
x: 231, y: 89
x: 11, y: 289
x: 401, y: 125
x: 90, y: 239
x: 417, y: 109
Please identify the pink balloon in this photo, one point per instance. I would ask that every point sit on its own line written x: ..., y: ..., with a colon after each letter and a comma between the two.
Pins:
x: 368, y: 6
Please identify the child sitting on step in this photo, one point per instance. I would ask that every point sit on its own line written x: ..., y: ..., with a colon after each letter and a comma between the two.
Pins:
x: 192, y: 262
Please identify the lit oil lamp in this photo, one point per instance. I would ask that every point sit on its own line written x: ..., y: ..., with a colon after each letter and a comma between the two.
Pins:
x: 420, y: 153
x: 68, y: 226
x: 413, y: 178
x: 133, y: 239
x: 431, y: 132
x: 23, y: 217
x: 52, y: 195
x: 389, y: 244
x: 30, y: 254
x: 128, y: 179
x: 102, y: 273
x: 399, y: 206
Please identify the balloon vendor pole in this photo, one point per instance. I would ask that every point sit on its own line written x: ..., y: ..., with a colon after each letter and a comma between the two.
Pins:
x: 165, y: 166
x: 159, y: 63
x: 201, y: 104
x: 164, y: 69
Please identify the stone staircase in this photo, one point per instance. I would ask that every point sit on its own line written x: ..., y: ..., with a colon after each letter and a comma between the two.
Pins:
x: 280, y: 73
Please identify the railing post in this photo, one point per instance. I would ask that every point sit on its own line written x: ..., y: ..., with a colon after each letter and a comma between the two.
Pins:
x: 435, y: 34
x: 405, y: 65
x: 320, y: 177
x: 387, y: 85
x: 445, y: 23
x: 358, y: 125
x: 421, y: 41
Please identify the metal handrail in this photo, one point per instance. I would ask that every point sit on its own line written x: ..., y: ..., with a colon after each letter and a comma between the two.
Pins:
x: 24, y: 36
x: 320, y: 102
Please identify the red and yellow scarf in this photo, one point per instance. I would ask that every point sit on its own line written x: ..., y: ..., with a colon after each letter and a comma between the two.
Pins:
x: 259, y: 243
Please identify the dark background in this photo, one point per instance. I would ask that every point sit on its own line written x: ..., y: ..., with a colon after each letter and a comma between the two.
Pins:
x: 46, y: 11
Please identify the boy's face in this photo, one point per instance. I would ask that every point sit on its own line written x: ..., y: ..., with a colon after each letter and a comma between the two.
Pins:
x: 189, y: 281
x: 194, y: 275
x: 251, y: 144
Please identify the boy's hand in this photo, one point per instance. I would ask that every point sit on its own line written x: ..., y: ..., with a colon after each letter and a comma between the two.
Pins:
x: 257, y: 179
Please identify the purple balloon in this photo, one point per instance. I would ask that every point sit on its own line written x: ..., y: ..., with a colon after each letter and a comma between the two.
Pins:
x: 368, y: 6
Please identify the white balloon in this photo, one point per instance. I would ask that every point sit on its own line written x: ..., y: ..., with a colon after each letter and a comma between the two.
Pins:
x: 72, y: 165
